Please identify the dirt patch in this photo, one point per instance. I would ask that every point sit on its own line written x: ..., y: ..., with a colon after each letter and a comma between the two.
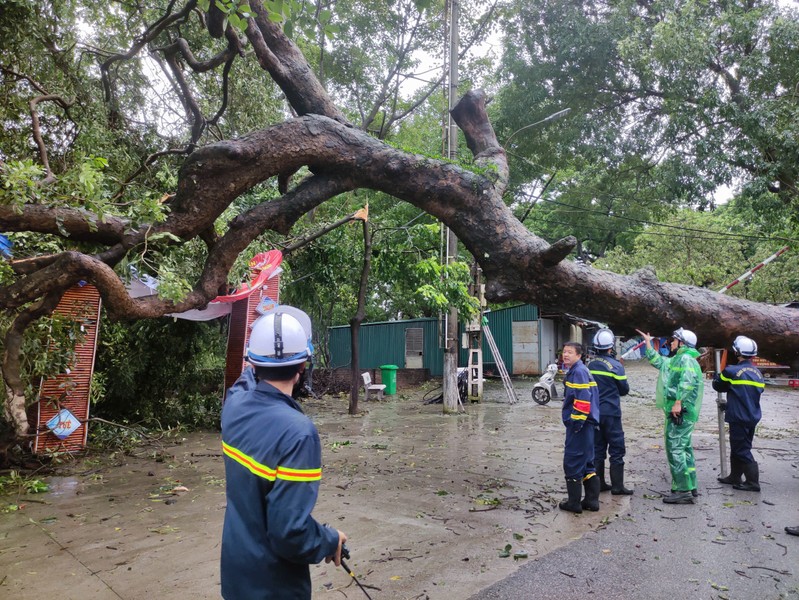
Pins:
x: 430, y: 502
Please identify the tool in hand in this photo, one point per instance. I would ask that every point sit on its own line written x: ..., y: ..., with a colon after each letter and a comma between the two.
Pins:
x: 345, y: 553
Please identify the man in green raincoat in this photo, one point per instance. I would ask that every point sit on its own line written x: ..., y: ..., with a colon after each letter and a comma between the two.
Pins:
x: 679, y: 393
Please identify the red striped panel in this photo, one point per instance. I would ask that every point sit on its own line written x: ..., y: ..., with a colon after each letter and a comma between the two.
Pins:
x: 70, y: 391
x: 242, y: 316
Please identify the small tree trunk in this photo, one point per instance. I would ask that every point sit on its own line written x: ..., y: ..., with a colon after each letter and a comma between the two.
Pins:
x: 14, y: 405
x: 360, y: 314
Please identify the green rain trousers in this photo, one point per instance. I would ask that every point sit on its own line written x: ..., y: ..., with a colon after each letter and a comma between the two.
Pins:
x: 680, y: 454
x: 680, y: 379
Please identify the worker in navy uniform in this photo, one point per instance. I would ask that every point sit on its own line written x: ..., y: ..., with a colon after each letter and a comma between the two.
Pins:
x: 611, y: 382
x: 581, y: 417
x: 273, y: 465
x: 743, y: 383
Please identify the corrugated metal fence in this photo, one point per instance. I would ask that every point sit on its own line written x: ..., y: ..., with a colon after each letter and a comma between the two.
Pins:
x: 383, y: 343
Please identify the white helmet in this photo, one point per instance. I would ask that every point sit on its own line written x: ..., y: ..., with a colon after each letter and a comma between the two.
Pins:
x: 603, y: 339
x: 745, y: 346
x: 686, y: 336
x: 278, y: 340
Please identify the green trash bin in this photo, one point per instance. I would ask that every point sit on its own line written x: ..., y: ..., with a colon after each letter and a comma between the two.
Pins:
x: 389, y: 375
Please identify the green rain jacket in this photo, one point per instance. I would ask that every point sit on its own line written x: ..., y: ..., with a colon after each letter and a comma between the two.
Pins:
x: 680, y: 379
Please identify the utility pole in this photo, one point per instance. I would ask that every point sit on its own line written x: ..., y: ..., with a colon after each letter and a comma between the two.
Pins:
x: 450, y: 377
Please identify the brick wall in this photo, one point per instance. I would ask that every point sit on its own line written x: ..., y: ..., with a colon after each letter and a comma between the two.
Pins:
x: 339, y: 379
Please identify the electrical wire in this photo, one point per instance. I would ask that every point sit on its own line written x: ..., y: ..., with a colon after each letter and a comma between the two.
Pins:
x: 637, y: 232
x: 645, y: 222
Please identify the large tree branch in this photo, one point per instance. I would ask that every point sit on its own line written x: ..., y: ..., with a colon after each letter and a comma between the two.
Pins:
x: 287, y: 66
x: 73, y: 223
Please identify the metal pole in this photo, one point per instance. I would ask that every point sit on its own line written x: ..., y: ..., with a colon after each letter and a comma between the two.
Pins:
x: 720, y: 411
x: 451, y: 396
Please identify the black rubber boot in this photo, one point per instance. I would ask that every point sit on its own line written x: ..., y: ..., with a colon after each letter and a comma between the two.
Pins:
x: 591, y: 500
x: 736, y: 470
x: 574, y: 488
x: 752, y: 474
x: 617, y: 481
x: 600, y: 472
x: 792, y: 530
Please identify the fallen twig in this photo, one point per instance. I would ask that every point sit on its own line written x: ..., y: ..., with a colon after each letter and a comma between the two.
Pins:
x: 770, y: 569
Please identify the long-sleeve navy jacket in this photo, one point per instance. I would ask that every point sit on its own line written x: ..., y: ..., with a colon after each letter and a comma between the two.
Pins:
x: 611, y: 382
x: 744, y: 385
x: 273, y: 465
x: 580, y: 398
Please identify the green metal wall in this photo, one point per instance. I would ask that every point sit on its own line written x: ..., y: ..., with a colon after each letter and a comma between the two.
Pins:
x: 383, y: 343
x: 501, y: 324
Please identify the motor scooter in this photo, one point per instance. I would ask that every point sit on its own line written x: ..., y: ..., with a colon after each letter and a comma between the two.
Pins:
x: 546, y: 389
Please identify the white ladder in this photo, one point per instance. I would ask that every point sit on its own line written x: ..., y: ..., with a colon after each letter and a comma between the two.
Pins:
x: 475, y: 374
x: 503, y: 371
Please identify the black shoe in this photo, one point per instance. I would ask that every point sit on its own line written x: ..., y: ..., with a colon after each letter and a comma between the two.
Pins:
x: 574, y: 487
x: 617, y: 481
x: 792, y: 530
x: 694, y: 492
x: 752, y: 474
x: 591, y: 501
x: 731, y: 479
x: 679, y: 498
x: 747, y: 486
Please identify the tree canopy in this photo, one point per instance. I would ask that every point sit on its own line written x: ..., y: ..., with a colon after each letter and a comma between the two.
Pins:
x: 178, y: 137
x: 669, y: 101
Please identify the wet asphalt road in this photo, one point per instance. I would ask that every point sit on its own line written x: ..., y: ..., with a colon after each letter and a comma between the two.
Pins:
x: 729, y: 545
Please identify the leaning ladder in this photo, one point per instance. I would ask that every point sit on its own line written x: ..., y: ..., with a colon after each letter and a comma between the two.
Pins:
x: 503, y: 371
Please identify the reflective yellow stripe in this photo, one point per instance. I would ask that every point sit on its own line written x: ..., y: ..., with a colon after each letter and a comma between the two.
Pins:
x: 261, y: 470
x: 581, y: 386
x: 609, y: 374
x: 579, y: 417
x: 299, y: 474
x: 252, y: 465
x: 742, y: 382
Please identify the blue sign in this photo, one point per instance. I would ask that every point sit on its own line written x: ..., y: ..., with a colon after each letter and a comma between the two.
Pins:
x: 63, y: 424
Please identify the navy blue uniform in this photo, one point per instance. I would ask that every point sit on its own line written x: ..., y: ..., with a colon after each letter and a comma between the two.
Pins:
x: 744, y: 385
x: 273, y: 465
x: 580, y: 416
x: 611, y: 382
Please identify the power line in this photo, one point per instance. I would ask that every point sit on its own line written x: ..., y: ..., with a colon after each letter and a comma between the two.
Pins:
x: 644, y: 222
x: 638, y: 232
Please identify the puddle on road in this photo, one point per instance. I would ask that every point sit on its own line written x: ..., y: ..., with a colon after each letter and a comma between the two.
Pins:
x: 66, y: 487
